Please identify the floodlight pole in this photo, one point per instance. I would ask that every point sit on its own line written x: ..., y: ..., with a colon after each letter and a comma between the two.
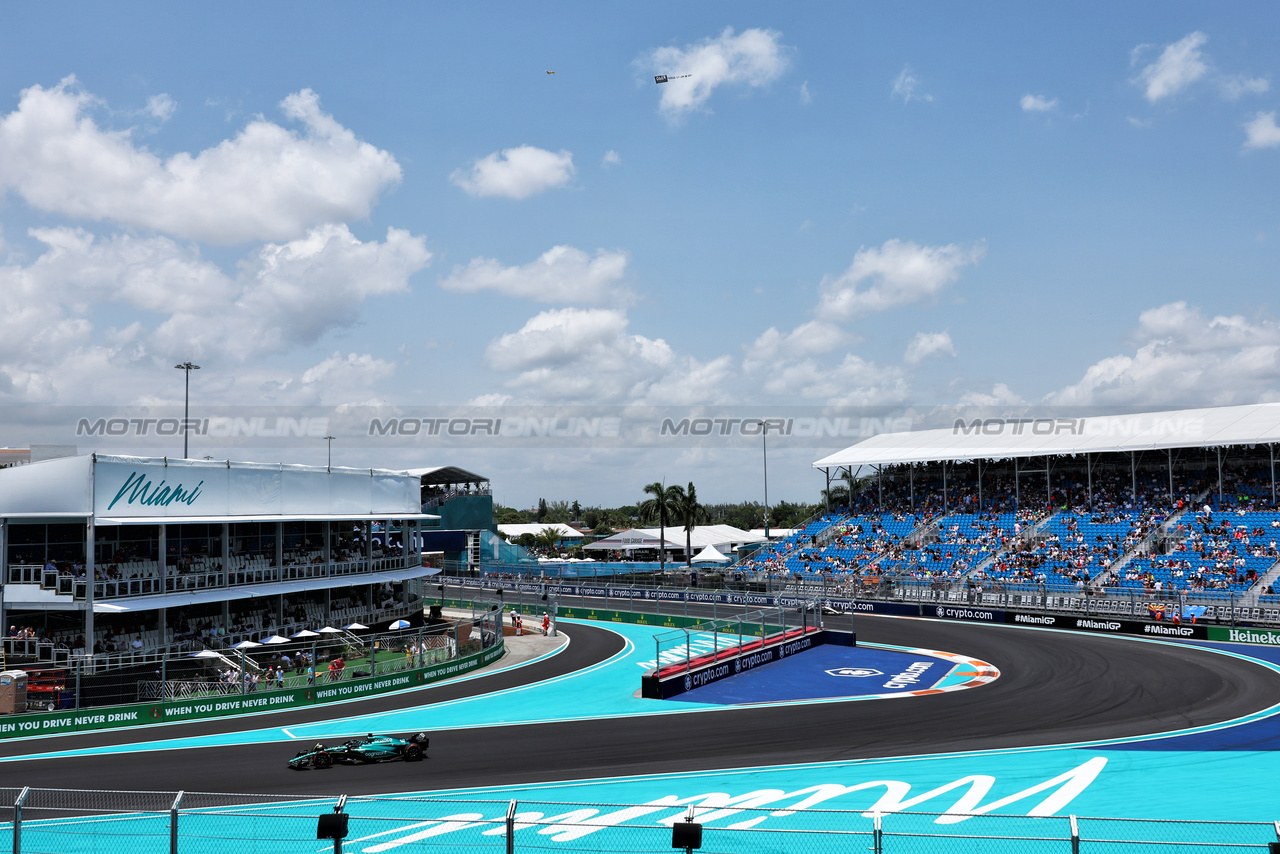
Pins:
x: 186, y: 367
x: 764, y: 447
x: 330, y: 439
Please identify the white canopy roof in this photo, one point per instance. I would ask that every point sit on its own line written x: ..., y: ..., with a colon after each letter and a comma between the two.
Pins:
x: 562, y: 530
x: 709, y: 555
x: 700, y: 537
x: 1008, y: 438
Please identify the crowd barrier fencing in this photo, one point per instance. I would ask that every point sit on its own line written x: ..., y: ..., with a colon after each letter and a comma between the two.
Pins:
x: 645, y: 606
x: 67, y: 821
x: 889, y: 583
x: 398, y: 674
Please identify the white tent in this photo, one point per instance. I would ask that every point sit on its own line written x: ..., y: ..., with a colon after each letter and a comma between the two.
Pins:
x: 563, y: 531
x: 710, y: 555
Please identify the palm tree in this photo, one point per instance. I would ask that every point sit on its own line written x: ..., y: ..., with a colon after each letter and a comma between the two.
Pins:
x: 661, y: 509
x: 548, y: 537
x: 689, y: 512
x: 836, y: 497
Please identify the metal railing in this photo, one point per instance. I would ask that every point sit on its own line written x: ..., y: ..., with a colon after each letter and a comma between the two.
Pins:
x: 177, y: 580
x: 43, y: 820
x: 893, y: 585
x: 105, y: 679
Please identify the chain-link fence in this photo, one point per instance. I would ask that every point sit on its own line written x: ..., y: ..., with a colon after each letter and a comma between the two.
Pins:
x: 62, y: 821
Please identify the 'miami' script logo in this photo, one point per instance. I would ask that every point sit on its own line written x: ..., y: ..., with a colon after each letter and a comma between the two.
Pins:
x: 786, y: 811
x: 141, y: 490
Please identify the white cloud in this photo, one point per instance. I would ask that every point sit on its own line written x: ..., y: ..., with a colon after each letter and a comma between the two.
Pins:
x: 1185, y: 359
x: 284, y: 295
x: 581, y: 355
x: 898, y: 272
x: 354, y: 371
x: 267, y: 183
x: 561, y: 336
x: 806, y: 98
x: 562, y: 274
x: 492, y: 399
x: 753, y: 58
x: 611, y: 158
x: 906, y: 86
x: 1236, y: 86
x: 689, y: 382
x: 1261, y: 131
x: 1183, y: 64
x: 1001, y: 395
x: 1179, y: 65
x: 292, y: 294
x: 516, y: 173
x: 161, y: 107
x: 1038, y: 103
x: 853, y: 382
x: 152, y: 273
x: 926, y: 344
x: 808, y: 339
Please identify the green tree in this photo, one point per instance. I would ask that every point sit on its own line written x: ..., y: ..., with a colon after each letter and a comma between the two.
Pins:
x: 689, y: 513
x: 509, y: 515
x: 542, y: 509
x: 661, y: 509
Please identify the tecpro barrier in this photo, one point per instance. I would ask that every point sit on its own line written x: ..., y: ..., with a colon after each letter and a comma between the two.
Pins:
x: 658, y: 687
x: 148, y: 714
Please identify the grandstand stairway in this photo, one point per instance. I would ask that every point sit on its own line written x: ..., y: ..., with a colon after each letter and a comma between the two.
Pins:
x: 1027, y: 534
x: 1265, y: 580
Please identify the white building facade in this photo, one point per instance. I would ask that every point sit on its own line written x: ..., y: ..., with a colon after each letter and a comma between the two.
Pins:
x: 85, y: 536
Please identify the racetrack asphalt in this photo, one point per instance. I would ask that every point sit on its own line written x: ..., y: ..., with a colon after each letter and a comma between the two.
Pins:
x: 1055, y: 688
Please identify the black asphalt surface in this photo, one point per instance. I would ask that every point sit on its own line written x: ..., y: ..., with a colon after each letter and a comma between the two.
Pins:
x: 1055, y: 688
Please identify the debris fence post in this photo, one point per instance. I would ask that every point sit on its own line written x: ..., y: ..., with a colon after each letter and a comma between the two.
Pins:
x: 511, y: 828
x: 173, y: 823
x: 17, y: 819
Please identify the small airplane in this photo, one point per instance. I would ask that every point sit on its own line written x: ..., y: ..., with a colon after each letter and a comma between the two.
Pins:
x: 551, y: 72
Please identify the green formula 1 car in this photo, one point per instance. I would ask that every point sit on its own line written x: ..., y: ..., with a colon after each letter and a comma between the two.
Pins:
x: 369, y: 750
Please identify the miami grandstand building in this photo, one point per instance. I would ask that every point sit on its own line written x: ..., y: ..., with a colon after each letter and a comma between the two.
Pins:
x: 108, y: 556
x: 1171, y: 507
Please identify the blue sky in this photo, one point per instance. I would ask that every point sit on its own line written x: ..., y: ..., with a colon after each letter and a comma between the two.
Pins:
x: 843, y: 205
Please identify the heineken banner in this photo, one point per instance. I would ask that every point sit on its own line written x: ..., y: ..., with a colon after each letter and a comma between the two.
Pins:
x: 1270, y: 637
